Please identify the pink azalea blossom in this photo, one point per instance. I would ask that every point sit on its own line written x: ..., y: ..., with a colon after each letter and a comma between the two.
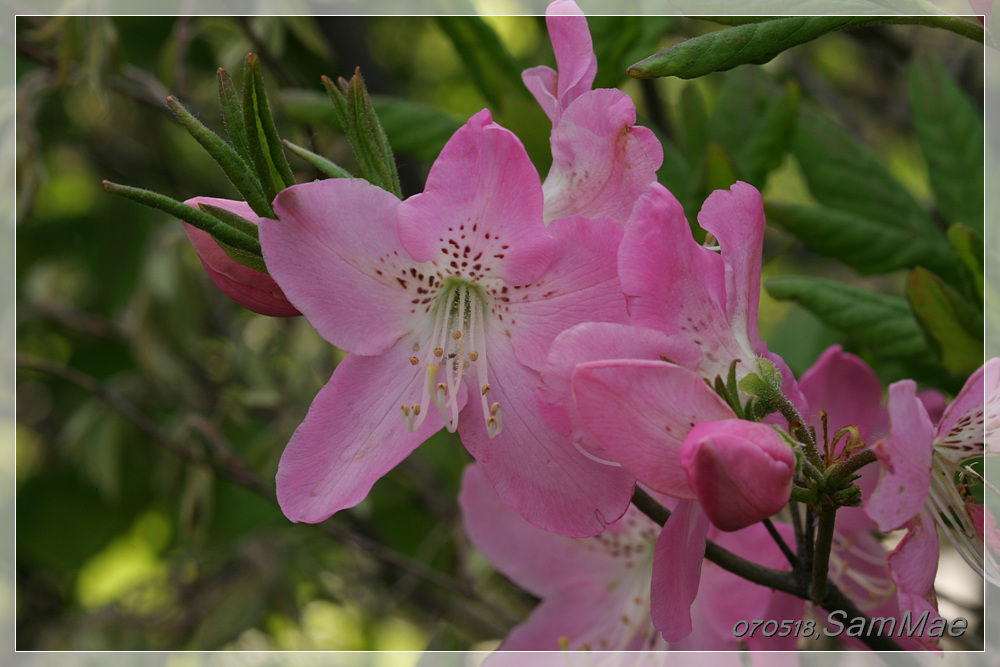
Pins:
x: 741, y: 471
x: 449, y: 299
x: 601, y: 161
x: 917, y: 487
x: 708, y: 295
x: 251, y: 289
x: 598, y: 593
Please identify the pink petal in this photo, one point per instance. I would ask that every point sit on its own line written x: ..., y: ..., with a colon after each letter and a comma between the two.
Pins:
x: 353, y: 434
x: 736, y: 218
x: 960, y: 434
x: 675, y: 285
x: 542, y: 562
x: 914, y: 564
x: 847, y: 388
x: 534, y: 469
x: 601, y: 163
x: 335, y: 253
x: 573, y: 48
x: 641, y: 411
x: 741, y: 471
x: 906, y: 457
x: 677, y: 570
x: 596, y: 342
x: 483, y: 188
x: 580, y: 285
x: 991, y: 385
x: 542, y: 82
x: 251, y: 289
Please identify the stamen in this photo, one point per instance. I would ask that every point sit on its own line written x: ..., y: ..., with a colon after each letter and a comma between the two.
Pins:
x: 473, y: 356
x: 414, y: 361
x: 486, y: 389
x: 595, y: 459
x: 457, y: 334
x: 438, y: 352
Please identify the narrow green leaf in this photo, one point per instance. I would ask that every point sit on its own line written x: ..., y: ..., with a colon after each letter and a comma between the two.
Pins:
x: 195, y: 217
x: 751, y: 43
x: 883, y: 323
x: 339, y: 103
x: 232, y: 219
x: 329, y: 168
x: 265, y: 124
x: 373, y: 143
x: 493, y: 69
x: 951, y: 135
x: 232, y: 114
x: 235, y: 167
x: 952, y: 326
x: 416, y: 129
x: 865, y: 245
x: 258, y: 157
x: 970, y: 251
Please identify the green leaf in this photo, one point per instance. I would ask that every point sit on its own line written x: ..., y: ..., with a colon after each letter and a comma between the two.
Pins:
x: 327, y: 167
x: 695, y: 121
x: 865, y: 245
x: 883, y: 323
x: 357, y: 117
x: 232, y: 114
x: 843, y: 174
x: 235, y: 167
x: 493, y: 69
x: 953, y: 327
x: 752, y: 43
x: 950, y: 131
x: 970, y: 251
x: 258, y: 156
x: 195, y: 217
x: 265, y: 125
x: 621, y: 40
x: 770, y: 138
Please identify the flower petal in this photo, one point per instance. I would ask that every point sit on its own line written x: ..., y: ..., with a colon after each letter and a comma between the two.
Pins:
x: 675, y: 285
x: 580, y: 285
x: 736, y: 218
x: 597, y: 341
x: 906, y: 457
x: 542, y: 82
x: 335, y: 253
x: 847, y: 388
x: 601, y: 162
x: 677, y: 570
x: 353, y: 434
x: 640, y: 412
x: 573, y: 47
x: 914, y: 564
x: 482, y: 186
x: 533, y: 468
x: 251, y: 289
x: 960, y: 434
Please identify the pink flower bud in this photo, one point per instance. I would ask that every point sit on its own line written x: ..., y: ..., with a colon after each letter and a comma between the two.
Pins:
x: 251, y: 289
x: 740, y: 471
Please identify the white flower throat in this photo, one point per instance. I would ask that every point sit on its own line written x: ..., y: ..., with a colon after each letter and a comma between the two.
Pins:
x: 457, y: 344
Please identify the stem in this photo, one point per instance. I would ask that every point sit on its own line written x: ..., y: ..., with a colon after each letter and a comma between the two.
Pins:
x: 780, y: 541
x: 778, y: 580
x: 955, y: 24
x: 797, y: 427
x: 821, y: 559
x: 851, y: 466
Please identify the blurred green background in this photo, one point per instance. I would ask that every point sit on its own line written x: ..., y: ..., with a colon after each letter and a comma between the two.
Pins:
x: 152, y: 410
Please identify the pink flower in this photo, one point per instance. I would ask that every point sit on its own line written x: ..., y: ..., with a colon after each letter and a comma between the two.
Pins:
x: 708, y: 295
x: 920, y: 462
x: 449, y: 299
x: 598, y: 593
x: 740, y: 471
x: 601, y: 162
x: 251, y: 289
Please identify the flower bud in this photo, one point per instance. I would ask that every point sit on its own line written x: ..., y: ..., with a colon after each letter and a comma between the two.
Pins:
x: 740, y: 471
x: 254, y: 290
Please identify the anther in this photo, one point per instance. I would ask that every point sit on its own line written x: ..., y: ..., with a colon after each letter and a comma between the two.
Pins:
x: 414, y: 361
x: 494, y: 409
x: 416, y: 409
x: 406, y: 410
x: 456, y: 334
x: 486, y: 389
x: 473, y: 356
x: 438, y: 352
x: 492, y: 428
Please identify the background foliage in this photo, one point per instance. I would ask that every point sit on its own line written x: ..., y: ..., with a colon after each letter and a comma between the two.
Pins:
x: 152, y: 410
